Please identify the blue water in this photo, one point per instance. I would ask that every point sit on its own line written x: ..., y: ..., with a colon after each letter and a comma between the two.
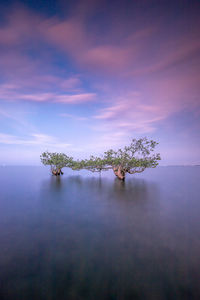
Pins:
x: 81, y: 236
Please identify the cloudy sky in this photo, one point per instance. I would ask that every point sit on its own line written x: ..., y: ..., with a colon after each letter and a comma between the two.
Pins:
x: 89, y: 75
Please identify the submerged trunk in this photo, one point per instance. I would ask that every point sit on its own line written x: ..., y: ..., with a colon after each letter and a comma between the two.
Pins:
x: 119, y: 172
x: 57, y: 172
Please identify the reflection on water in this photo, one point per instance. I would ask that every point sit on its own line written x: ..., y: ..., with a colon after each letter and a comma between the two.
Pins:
x: 84, y: 237
x: 116, y: 188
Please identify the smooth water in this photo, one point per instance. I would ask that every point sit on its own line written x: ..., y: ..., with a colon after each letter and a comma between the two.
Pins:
x: 85, y: 237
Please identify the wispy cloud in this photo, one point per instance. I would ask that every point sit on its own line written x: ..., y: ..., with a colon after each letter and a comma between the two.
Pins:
x: 34, y: 139
x: 122, y: 48
x: 79, y: 98
x: 70, y: 36
x: 14, y: 93
x: 77, y: 118
x: 141, y: 113
x: 128, y: 114
x: 17, y: 118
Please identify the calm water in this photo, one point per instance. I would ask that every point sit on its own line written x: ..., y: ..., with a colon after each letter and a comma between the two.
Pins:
x: 84, y: 237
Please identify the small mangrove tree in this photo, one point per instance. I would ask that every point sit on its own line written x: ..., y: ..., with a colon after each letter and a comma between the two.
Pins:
x: 56, y: 161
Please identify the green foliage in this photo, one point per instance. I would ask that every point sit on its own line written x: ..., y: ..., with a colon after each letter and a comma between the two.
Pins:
x: 93, y: 164
x: 134, y: 158
x: 57, y: 161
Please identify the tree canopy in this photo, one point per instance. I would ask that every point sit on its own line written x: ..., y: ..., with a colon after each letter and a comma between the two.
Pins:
x: 56, y: 161
x: 131, y: 159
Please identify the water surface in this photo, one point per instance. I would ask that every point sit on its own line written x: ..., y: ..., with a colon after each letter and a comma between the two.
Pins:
x: 85, y: 237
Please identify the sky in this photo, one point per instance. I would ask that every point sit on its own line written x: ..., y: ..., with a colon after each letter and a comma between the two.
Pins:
x: 81, y: 77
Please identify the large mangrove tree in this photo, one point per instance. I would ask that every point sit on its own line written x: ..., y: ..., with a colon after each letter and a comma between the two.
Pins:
x: 131, y: 159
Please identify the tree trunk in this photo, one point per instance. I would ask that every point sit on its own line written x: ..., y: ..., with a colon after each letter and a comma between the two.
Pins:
x: 57, y: 172
x: 119, y: 172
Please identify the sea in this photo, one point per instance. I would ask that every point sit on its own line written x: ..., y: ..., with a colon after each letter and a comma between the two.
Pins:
x: 88, y: 236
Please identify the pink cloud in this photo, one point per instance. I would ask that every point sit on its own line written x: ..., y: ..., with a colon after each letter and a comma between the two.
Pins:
x: 71, y: 37
x: 106, y: 56
x: 21, y: 70
x: 20, y: 26
x: 130, y: 56
x: 158, y: 99
x: 68, y: 35
x: 127, y: 52
x: 127, y: 114
x: 77, y: 118
x: 170, y: 53
x: 70, y: 83
x: 13, y: 93
x: 79, y: 98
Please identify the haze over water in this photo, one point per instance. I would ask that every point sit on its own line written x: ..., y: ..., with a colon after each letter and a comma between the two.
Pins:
x: 82, y: 236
